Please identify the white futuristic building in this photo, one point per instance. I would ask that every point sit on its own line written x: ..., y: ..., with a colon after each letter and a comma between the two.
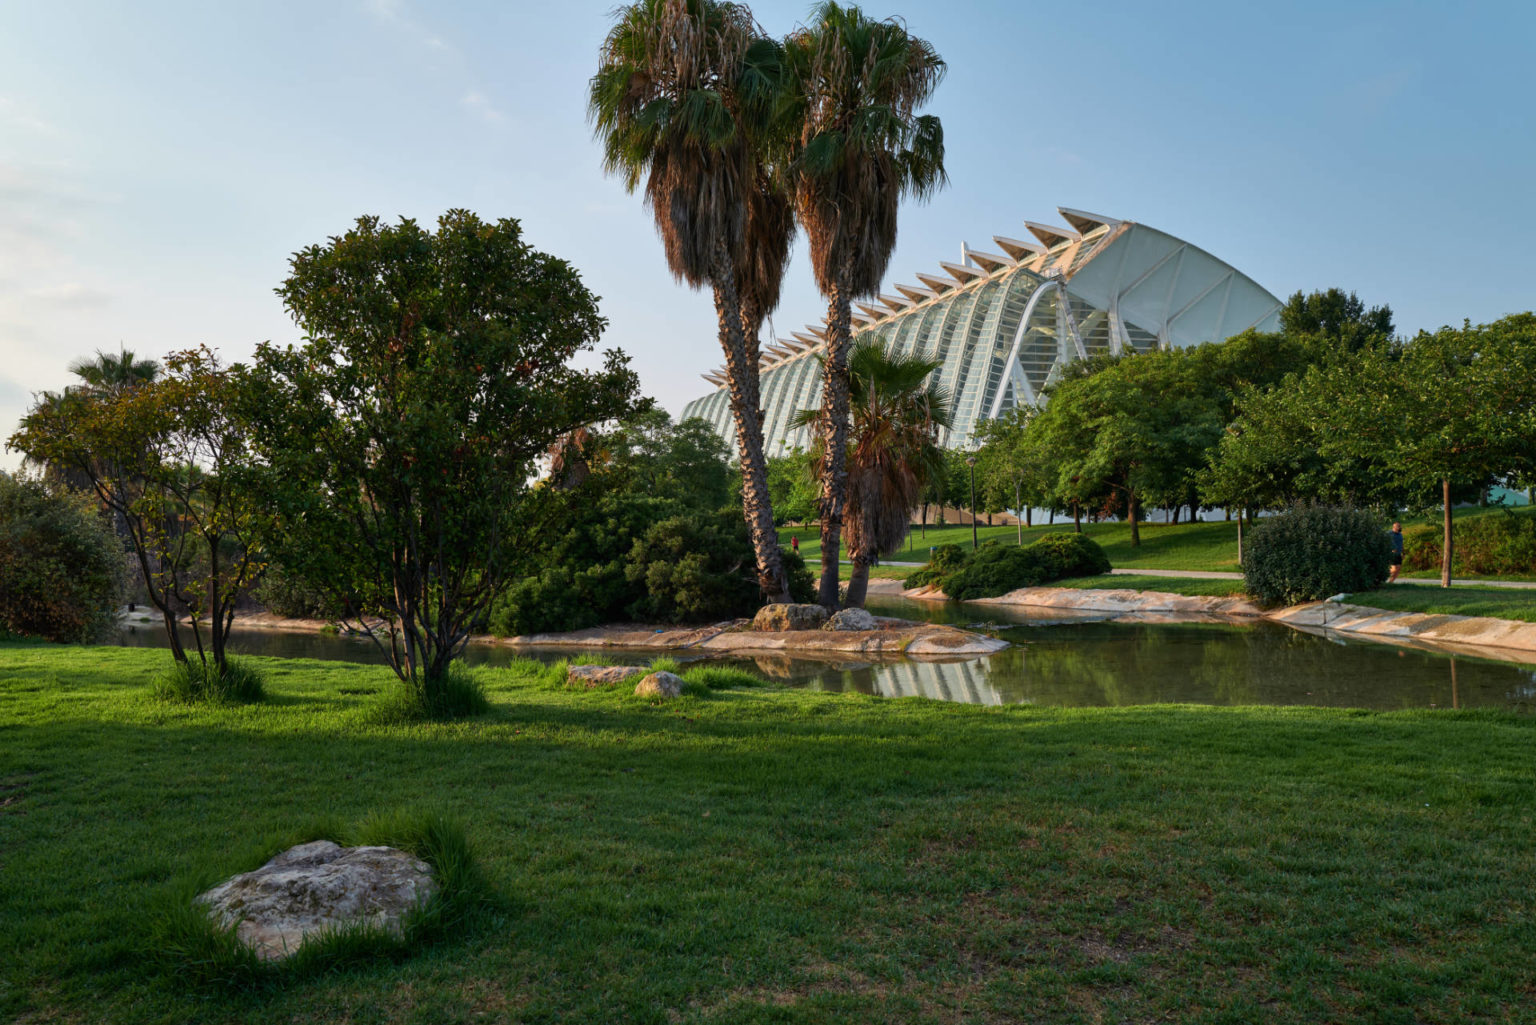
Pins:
x: 1002, y: 325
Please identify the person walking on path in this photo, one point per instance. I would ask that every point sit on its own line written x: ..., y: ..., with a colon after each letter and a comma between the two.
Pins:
x: 1396, y: 537
x: 794, y: 542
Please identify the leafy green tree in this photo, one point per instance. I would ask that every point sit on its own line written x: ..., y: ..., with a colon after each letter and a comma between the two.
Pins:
x: 792, y: 481
x: 897, y: 413
x: 398, y: 444
x: 1009, y: 468
x: 61, y: 569
x: 860, y: 148
x: 167, y: 458
x: 683, y: 101
x: 1335, y: 322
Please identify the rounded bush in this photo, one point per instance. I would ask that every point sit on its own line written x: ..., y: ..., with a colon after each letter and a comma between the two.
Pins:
x: 61, y: 568
x: 1312, y: 552
x: 1071, y: 555
x: 997, y: 569
x: 1493, y: 544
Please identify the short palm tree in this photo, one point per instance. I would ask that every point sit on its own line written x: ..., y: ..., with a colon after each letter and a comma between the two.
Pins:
x: 893, y: 451
x: 861, y: 148
x: 682, y: 98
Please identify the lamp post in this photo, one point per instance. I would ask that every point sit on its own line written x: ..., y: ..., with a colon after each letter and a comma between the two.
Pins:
x: 971, y: 462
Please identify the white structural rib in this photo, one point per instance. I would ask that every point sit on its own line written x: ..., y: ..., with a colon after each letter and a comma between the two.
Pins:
x: 914, y: 293
x: 874, y: 313
x: 1017, y: 249
x: 938, y: 284
x: 988, y: 262
x: 811, y: 341
x: 714, y: 377
x: 895, y: 302
x: 1084, y: 221
x: 961, y: 273
x: 1050, y: 235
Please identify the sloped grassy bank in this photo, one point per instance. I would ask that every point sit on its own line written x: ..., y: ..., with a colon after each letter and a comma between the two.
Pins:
x: 753, y: 854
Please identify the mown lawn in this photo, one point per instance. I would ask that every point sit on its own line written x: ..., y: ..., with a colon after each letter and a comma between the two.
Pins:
x: 768, y: 855
x: 1459, y: 600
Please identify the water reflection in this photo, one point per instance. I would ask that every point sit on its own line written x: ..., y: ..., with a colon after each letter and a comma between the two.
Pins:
x: 1081, y: 661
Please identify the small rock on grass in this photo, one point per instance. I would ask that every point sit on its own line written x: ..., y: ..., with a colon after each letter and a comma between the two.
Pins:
x: 601, y: 676
x: 319, y: 886
x: 660, y: 685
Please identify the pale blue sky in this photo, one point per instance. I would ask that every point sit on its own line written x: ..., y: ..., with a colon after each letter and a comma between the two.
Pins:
x: 160, y: 161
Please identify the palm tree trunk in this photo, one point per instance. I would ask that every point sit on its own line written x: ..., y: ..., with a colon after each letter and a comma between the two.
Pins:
x: 834, y: 433
x: 858, y: 582
x: 1446, y: 547
x: 742, y: 372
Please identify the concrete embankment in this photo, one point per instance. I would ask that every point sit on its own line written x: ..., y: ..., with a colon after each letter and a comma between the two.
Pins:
x: 895, y: 638
x: 1506, y: 639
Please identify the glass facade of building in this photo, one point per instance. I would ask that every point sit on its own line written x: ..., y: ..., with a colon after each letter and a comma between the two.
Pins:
x: 1001, y: 327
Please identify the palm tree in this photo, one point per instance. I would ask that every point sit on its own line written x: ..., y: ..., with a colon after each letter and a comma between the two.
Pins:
x: 893, y: 451
x: 683, y: 100
x: 109, y: 374
x: 861, y: 149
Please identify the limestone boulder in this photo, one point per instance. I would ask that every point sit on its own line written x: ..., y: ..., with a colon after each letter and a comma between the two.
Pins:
x: 316, y: 887
x: 601, y: 676
x: 851, y: 619
x: 660, y: 685
x: 775, y: 618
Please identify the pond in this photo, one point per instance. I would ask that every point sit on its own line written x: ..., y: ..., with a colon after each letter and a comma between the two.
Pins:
x: 1074, y: 661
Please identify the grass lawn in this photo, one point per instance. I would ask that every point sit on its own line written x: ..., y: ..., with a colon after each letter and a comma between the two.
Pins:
x: 1498, y: 602
x: 767, y: 855
x: 1171, y: 585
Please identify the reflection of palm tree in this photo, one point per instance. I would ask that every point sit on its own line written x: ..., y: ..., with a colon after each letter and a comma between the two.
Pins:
x: 861, y: 148
x: 893, y: 450
x: 681, y: 100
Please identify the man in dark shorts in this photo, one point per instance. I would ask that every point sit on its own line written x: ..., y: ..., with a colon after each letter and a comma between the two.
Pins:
x: 1396, y: 537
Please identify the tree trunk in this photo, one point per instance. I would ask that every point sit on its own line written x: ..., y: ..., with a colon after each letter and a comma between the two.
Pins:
x: 1018, y: 500
x: 1029, y: 515
x: 1135, y: 526
x: 925, y: 519
x: 742, y: 380
x: 1239, y: 537
x: 858, y: 582
x: 1446, y: 547
x: 1077, y: 519
x: 834, y: 434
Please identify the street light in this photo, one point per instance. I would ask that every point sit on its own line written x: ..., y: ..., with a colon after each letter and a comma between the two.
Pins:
x: 971, y: 462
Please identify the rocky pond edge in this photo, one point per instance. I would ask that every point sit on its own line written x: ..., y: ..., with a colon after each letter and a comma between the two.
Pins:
x: 1504, y: 639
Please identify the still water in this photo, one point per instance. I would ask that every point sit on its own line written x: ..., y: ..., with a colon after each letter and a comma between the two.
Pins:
x: 1076, y: 661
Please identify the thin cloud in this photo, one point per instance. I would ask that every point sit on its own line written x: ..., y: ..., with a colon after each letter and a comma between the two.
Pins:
x: 480, y: 104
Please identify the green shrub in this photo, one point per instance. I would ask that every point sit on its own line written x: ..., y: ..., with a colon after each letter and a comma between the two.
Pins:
x: 1071, y: 555
x: 1312, y: 552
x: 946, y: 559
x: 61, y: 569
x: 197, y: 681
x: 1494, y: 544
x: 997, y: 567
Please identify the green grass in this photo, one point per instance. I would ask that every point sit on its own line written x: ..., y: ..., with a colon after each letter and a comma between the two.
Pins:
x: 757, y: 854
x: 1498, y: 602
x: 1192, y: 586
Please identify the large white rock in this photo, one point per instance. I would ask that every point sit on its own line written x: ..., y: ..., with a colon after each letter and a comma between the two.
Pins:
x: 661, y: 684
x: 318, y: 886
x: 601, y: 676
x: 778, y: 618
x: 851, y: 619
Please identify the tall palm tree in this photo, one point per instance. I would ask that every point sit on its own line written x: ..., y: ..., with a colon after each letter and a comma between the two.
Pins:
x: 682, y: 101
x: 862, y: 148
x: 110, y: 374
x: 893, y: 451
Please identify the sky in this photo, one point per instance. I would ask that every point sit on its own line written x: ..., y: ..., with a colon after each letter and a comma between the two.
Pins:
x: 161, y: 162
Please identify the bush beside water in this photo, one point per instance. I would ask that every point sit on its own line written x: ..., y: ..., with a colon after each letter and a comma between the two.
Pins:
x: 996, y: 568
x: 1312, y: 552
x: 61, y: 568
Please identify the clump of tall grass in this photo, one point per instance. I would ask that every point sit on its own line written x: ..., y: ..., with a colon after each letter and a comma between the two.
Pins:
x: 197, y: 681
x: 186, y: 943
x: 458, y: 693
